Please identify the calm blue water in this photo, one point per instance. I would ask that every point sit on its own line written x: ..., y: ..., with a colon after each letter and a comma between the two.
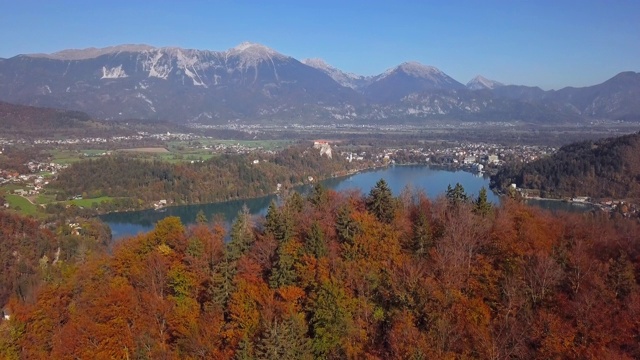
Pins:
x: 433, y: 181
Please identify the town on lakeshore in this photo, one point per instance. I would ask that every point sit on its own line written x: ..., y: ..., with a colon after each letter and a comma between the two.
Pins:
x: 29, y: 181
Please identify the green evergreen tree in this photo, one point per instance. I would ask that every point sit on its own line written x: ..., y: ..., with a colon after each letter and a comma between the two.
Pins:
x: 279, y: 224
x: 272, y: 219
x: 482, y: 206
x: 456, y: 195
x: 318, y: 195
x: 222, y: 286
x: 295, y: 202
x: 346, y: 228
x: 195, y: 247
x: 241, y: 235
x: 315, y: 243
x: 201, y: 218
x: 381, y: 202
x: 285, y: 340
x: 283, y: 272
x: 245, y: 350
x: 422, y: 239
x: 330, y: 321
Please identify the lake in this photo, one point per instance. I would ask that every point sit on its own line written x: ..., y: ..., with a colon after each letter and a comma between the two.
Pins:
x: 433, y: 181
x: 559, y: 205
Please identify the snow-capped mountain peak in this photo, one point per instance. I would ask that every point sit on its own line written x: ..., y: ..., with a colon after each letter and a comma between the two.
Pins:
x: 417, y: 69
x: 246, y: 45
x: 251, y: 82
x: 253, y: 49
x: 251, y: 54
x: 414, y: 69
x: 480, y: 82
x: 317, y: 63
x: 90, y: 53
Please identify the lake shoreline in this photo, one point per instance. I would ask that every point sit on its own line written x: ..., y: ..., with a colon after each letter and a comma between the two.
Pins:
x: 350, y: 173
x: 432, y: 180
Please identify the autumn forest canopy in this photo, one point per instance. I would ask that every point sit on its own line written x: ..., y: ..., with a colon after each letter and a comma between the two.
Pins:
x: 335, y: 275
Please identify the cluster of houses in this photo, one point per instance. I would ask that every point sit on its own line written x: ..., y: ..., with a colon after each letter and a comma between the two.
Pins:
x: 627, y: 209
x: 36, y: 166
x: 622, y: 207
x: 9, y: 176
x: 121, y: 138
x: 470, y: 156
x: 33, y: 182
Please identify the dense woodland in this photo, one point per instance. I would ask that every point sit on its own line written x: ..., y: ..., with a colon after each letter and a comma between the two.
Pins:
x: 342, y: 275
x: 608, y: 168
x: 21, y: 117
x: 31, y: 122
x: 221, y: 178
x: 19, y: 258
x: 29, y: 249
x: 15, y: 160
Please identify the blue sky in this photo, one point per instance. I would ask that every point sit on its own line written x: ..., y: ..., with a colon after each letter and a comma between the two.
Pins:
x: 551, y: 44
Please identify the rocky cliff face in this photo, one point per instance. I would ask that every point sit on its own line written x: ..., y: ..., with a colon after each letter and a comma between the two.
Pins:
x: 253, y: 83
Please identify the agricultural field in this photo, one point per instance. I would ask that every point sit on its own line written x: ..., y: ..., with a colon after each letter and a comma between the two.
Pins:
x: 177, y: 151
x: 33, y: 205
x: 8, y: 188
x: 174, y: 151
x: 65, y: 157
x: 213, y: 144
x: 22, y: 205
x: 149, y: 150
x: 89, y: 202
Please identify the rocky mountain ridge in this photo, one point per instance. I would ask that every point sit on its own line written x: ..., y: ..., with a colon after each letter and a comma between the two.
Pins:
x: 256, y: 84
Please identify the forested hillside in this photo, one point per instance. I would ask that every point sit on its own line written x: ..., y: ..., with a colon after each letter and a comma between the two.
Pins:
x: 349, y: 276
x: 608, y: 168
x: 29, y: 251
x: 221, y: 178
x: 20, y: 117
x: 22, y: 246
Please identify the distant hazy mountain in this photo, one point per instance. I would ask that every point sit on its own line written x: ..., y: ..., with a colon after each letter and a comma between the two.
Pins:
x: 616, y: 98
x: 253, y: 83
x: 408, y: 78
x: 345, y: 79
x: 249, y: 81
x: 520, y: 92
x: 479, y: 83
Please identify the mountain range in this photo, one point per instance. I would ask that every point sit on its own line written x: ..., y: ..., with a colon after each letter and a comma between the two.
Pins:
x: 252, y: 83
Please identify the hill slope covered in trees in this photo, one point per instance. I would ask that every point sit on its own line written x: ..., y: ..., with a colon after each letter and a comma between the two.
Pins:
x: 348, y: 276
x: 29, y: 118
x: 221, y: 178
x: 607, y: 168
